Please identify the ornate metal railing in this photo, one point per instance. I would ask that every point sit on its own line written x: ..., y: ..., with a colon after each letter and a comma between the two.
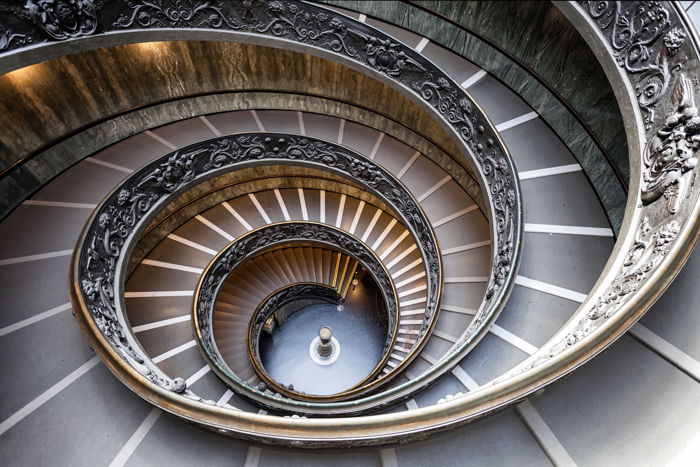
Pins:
x: 649, y: 51
x: 235, y: 255
x: 116, y: 224
x: 38, y: 31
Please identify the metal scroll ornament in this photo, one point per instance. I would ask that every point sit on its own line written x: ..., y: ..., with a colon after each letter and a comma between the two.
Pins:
x: 261, y: 240
x: 325, y: 30
x: 64, y: 19
x: 645, y: 43
x: 671, y: 154
x: 645, y: 40
x: 118, y: 220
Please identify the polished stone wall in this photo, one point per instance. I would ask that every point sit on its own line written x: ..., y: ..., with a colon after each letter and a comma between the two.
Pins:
x: 54, y: 110
x: 542, y: 40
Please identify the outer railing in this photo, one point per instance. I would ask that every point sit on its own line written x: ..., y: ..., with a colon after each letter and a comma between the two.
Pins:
x: 98, y: 268
x: 236, y: 254
x: 105, y: 245
x: 39, y: 31
x: 650, y: 53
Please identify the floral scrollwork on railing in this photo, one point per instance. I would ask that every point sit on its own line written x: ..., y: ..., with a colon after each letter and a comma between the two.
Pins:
x: 642, y: 38
x: 646, y: 40
x: 123, y: 213
x: 326, y: 30
x: 671, y: 154
x: 259, y: 241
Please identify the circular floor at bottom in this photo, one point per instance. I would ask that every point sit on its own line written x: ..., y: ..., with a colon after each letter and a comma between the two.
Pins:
x: 359, y: 333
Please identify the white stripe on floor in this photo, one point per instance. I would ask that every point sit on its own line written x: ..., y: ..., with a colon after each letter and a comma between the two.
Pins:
x: 37, y: 257
x: 404, y: 313
x: 550, y: 289
x: 225, y: 397
x: 160, y: 324
x: 259, y: 207
x: 161, y: 140
x: 109, y: 165
x: 252, y: 456
x: 322, y: 207
x: 383, y: 235
x: 408, y: 292
x: 356, y: 219
x: 393, y: 246
x: 214, y: 227
x: 403, y: 254
x: 445, y: 336
x: 373, y: 153
x: 177, y: 267
x: 466, y: 279
x: 136, y: 438
x: 34, y: 319
x: 544, y: 435
x: 458, y: 309
x: 161, y: 293
x: 670, y: 352
x: 465, y: 379
x: 454, y: 216
x: 568, y: 230
x: 470, y: 246
x: 302, y: 202
x: 58, y: 204
x: 415, y: 301
x: 341, y: 209
x: 191, y: 244
x: 406, y: 268
x: 235, y: 214
x: 407, y: 165
x: 173, y: 352
x: 512, y: 339
x: 341, y: 131
x: 197, y: 376
x: 283, y: 206
x: 257, y: 120
x: 473, y: 79
x: 18, y: 416
x: 561, y: 169
x: 371, y: 225
x: 516, y: 121
x: 388, y: 458
x: 433, y: 189
x: 210, y: 125
x: 421, y: 45
x: 410, y: 279
x: 302, y: 127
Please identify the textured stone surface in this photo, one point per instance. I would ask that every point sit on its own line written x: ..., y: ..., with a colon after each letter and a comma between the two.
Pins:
x: 26, y: 178
x: 543, y: 40
x: 101, y: 84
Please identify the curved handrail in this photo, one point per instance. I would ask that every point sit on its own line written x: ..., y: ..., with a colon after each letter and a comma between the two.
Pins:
x: 107, y: 239
x: 256, y: 242
x: 39, y: 34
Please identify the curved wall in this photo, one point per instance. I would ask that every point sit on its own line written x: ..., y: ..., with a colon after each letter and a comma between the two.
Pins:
x: 105, y: 83
x: 577, y: 100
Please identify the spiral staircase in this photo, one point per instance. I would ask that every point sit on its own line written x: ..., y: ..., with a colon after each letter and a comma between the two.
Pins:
x: 190, y: 189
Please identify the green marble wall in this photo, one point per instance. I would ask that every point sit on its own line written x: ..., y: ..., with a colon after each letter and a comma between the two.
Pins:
x: 25, y: 179
x: 80, y: 101
x: 542, y: 38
